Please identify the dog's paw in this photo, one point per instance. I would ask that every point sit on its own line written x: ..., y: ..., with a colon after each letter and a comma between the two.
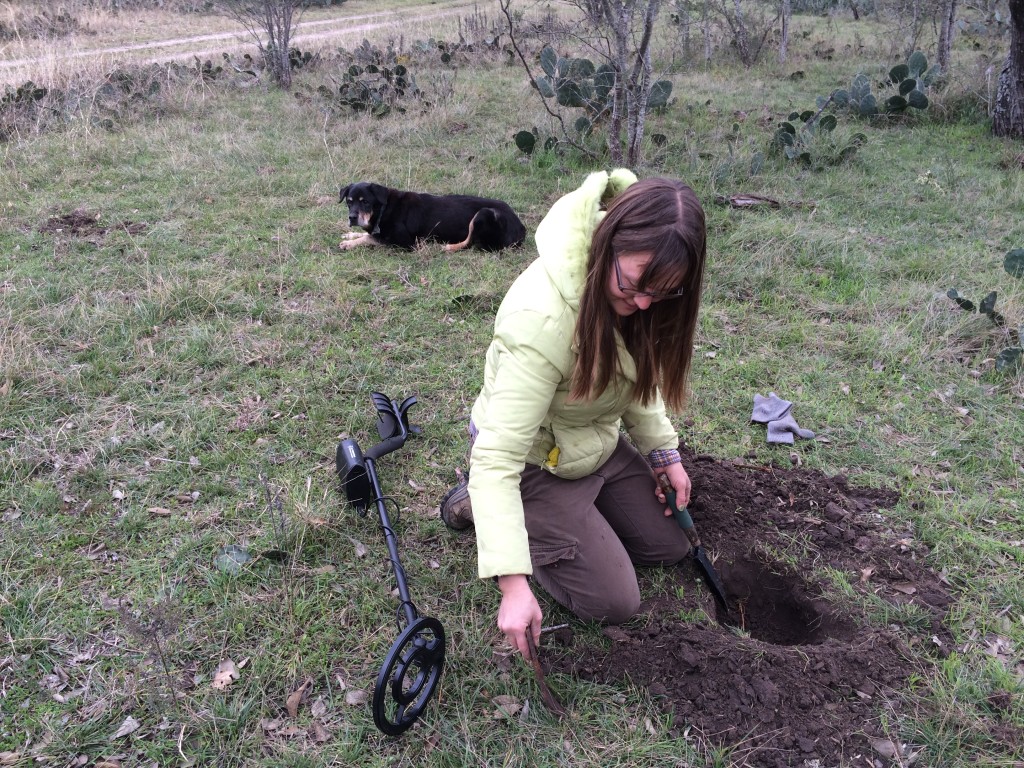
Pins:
x: 353, y: 235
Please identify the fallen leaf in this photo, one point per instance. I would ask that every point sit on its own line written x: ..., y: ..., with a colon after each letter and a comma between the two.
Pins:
x: 270, y: 725
x: 9, y: 758
x: 507, y: 706
x: 360, y: 548
x: 885, y: 747
x: 432, y: 741
x: 318, y: 734
x: 905, y: 587
x: 434, y: 564
x: 296, y: 697
x: 865, y: 574
x: 225, y: 674
x: 318, y: 708
x: 130, y: 725
x: 159, y: 511
x: 111, y: 762
x: 1000, y: 647
x: 355, y: 698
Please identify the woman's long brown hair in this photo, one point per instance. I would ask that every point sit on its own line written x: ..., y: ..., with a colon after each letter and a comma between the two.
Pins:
x: 664, y: 218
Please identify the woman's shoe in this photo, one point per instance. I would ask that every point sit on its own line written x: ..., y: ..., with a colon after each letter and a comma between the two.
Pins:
x: 456, y: 510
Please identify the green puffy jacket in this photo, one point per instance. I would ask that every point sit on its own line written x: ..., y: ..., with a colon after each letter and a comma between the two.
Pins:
x: 522, y: 412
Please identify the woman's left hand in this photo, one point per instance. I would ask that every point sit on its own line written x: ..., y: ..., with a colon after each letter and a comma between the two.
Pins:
x: 680, y: 482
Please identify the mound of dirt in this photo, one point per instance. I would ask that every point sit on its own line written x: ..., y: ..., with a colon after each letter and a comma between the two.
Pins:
x: 785, y: 676
x: 87, y: 225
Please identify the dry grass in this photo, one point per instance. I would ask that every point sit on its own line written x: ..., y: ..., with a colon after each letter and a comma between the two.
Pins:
x: 106, y: 40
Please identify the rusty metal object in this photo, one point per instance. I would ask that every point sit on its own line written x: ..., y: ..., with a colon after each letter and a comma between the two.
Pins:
x: 546, y: 694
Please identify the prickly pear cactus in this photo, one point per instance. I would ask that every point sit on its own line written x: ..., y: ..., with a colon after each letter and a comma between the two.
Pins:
x: 577, y: 83
x: 1010, y: 358
x: 909, y: 80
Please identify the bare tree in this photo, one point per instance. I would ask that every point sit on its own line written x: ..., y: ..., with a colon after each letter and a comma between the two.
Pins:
x: 748, y: 24
x: 946, y: 32
x: 620, y: 33
x: 1008, y: 111
x: 276, y: 19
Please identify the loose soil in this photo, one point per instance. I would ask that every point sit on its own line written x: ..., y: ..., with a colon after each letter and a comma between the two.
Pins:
x: 795, y: 673
x: 87, y: 225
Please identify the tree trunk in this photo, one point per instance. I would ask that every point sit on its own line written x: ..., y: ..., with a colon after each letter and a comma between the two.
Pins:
x: 640, y: 86
x: 685, y: 22
x: 787, y: 13
x: 946, y: 34
x: 618, y: 19
x: 1008, y: 111
x: 740, y: 30
x: 706, y: 24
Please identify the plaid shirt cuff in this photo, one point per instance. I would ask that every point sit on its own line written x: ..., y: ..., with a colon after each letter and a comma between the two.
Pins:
x: 660, y: 458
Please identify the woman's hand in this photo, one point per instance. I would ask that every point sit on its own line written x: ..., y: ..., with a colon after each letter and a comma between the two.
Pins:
x: 680, y: 482
x: 519, y: 612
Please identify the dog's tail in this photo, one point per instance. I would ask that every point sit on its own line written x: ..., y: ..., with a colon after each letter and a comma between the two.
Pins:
x: 491, y: 230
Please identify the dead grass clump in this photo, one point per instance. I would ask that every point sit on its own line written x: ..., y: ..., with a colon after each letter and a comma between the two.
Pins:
x: 47, y: 25
x: 121, y: 97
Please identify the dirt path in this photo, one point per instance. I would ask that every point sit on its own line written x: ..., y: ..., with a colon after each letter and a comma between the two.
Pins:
x: 345, y: 29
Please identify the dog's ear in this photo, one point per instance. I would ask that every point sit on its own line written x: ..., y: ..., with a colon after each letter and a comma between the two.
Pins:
x: 344, y: 193
x: 379, y: 192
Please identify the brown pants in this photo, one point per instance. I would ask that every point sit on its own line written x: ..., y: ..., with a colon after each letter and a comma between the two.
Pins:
x: 586, y: 535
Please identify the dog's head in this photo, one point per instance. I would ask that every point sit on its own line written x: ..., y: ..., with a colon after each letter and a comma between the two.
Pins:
x: 365, y: 202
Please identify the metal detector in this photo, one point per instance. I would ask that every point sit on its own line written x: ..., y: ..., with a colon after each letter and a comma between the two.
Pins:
x: 413, y: 665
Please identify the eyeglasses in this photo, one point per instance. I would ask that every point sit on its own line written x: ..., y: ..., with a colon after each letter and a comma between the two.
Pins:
x: 653, y: 295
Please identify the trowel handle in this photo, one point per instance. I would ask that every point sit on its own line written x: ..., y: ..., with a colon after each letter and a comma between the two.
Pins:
x: 682, y: 516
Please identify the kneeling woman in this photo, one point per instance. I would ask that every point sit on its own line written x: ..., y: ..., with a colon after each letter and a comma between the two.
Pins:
x: 595, y: 335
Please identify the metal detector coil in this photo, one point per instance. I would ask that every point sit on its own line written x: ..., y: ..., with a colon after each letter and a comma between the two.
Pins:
x: 412, y: 669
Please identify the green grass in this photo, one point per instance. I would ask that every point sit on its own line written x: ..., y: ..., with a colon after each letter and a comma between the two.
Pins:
x: 222, y: 352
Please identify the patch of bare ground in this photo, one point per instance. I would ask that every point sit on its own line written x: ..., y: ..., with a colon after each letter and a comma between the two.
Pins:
x: 790, y: 675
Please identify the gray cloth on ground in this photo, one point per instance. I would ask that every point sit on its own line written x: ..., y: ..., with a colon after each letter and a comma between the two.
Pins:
x: 775, y: 412
x: 782, y: 430
x: 769, y: 408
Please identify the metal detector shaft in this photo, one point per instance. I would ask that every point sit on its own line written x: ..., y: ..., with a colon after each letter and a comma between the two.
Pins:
x: 391, y: 540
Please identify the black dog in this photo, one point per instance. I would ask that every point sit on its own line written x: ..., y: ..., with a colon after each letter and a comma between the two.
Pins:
x: 393, y: 217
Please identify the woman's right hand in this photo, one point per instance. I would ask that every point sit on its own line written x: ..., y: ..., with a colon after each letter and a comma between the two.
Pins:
x: 519, y: 612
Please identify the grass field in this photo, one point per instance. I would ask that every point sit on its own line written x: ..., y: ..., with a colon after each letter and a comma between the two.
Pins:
x: 182, y: 346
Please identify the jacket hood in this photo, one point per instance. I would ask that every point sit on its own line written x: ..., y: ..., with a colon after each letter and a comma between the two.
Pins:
x: 563, y: 237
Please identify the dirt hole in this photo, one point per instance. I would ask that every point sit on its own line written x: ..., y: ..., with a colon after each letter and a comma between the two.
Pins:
x: 809, y: 680
x: 773, y: 606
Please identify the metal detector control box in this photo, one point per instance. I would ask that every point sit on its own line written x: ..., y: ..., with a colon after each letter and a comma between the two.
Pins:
x: 412, y: 669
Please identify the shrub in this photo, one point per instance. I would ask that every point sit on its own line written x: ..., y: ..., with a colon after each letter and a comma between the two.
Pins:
x: 810, y: 138
x: 374, y: 82
x: 1011, y: 357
